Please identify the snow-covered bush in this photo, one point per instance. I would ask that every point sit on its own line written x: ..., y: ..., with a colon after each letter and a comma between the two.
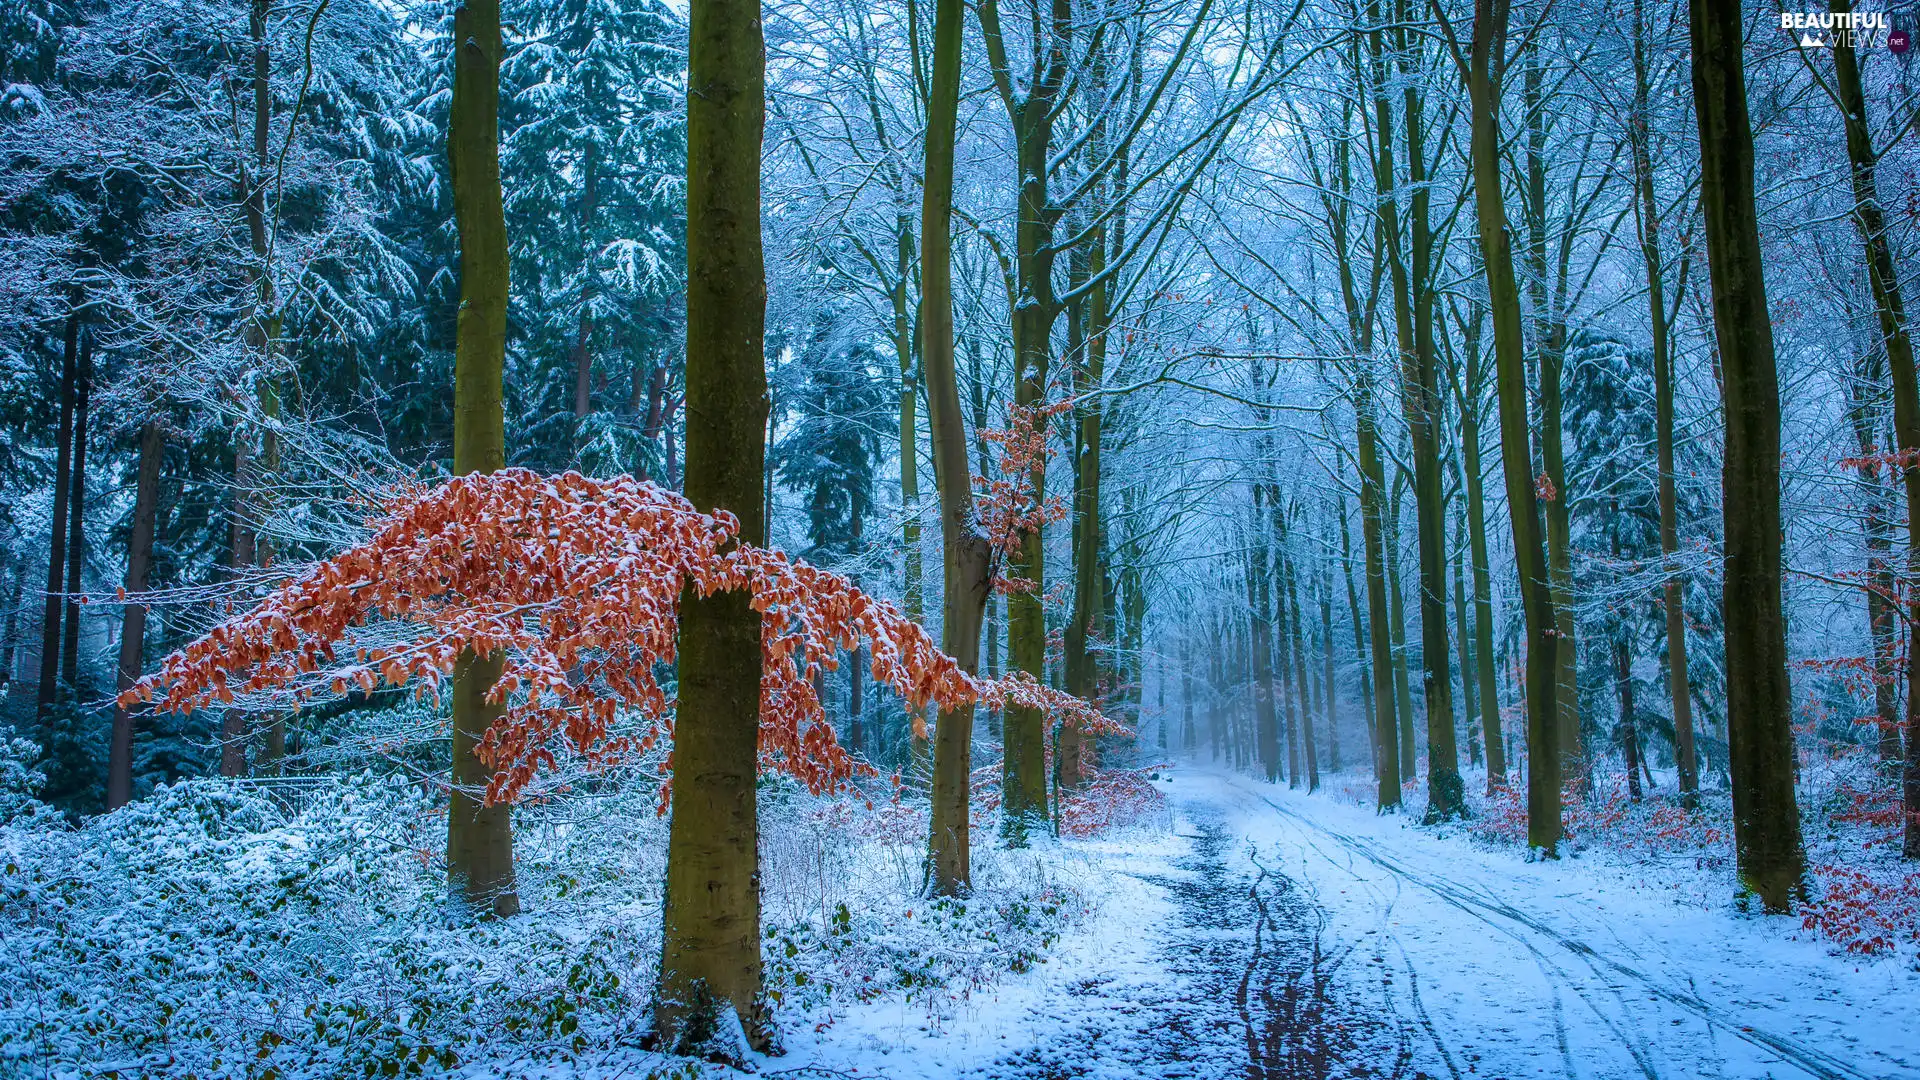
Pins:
x: 933, y: 952
x: 215, y: 930
x: 1862, y: 898
x: 1864, y: 911
x: 203, y: 931
x: 845, y: 917
x: 20, y: 781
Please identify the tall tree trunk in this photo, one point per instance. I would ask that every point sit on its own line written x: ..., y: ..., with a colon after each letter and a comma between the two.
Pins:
x: 1386, y: 745
x: 1216, y: 696
x: 968, y: 557
x: 50, y: 637
x: 1260, y: 644
x: 710, y: 955
x: 1024, y: 789
x: 1364, y: 664
x: 1134, y: 616
x: 1278, y: 628
x: 1188, y: 736
x: 1766, y: 816
x: 1674, y: 589
x: 1485, y: 672
x: 1245, y: 715
x: 1397, y: 627
x: 1308, y: 750
x: 1549, y: 340
x: 976, y: 385
x: 1032, y: 116
x: 1290, y: 692
x: 77, y: 521
x: 133, y: 616
x: 1629, y: 730
x: 1884, y: 276
x: 1373, y: 664
x: 1880, y: 585
x: 480, y: 880
x: 1089, y: 572
x: 1331, y: 694
x: 1419, y: 394
x: 1160, y: 707
x: 1446, y: 796
x: 919, y: 747
x: 1496, y: 256
x: 1462, y: 639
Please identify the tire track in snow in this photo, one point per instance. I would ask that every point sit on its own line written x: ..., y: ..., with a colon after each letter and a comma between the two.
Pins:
x: 1299, y: 1024
x: 1810, y: 1060
x: 1383, y: 909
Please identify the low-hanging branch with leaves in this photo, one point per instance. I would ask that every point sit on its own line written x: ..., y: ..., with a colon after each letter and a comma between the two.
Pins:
x: 578, y: 582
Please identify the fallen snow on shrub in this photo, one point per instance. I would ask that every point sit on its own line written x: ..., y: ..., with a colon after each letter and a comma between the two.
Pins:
x: 211, y: 931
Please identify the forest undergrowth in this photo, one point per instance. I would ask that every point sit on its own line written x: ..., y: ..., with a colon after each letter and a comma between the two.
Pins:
x: 222, y: 929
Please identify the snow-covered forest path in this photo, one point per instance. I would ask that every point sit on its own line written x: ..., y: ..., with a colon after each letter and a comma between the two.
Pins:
x: 1282, y: 935
x: 1491, y: 967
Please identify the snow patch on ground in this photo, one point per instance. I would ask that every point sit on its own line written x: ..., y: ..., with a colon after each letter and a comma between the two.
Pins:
x: 1582, y: 966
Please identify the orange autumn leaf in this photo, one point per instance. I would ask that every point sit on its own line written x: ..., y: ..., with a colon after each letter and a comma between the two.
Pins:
x: 576, y: 581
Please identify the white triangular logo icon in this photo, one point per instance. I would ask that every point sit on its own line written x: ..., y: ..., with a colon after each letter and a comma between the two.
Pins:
x: 1808, y: 41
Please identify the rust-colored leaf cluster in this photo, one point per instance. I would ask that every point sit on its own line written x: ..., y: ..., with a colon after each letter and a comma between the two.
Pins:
x: 577, y: 583
x: 1010, y: 505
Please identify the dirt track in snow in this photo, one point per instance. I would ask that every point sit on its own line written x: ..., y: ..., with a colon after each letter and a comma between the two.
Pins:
x: 1255, y: 986
x: 1301, y: 949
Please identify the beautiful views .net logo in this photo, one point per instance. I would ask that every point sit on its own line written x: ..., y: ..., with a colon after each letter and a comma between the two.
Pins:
x: 1852, y: 29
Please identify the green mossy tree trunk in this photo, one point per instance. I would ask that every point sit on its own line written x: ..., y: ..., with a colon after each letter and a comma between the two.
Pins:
x: 479, y: 837
x: 968, y: 555
x: 1032, y: 115
x: 710, y: 972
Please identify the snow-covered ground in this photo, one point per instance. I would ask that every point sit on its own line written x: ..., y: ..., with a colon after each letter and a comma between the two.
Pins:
x: 1577, y: 967
x: 1280, y: 934
x: 1254, y: 932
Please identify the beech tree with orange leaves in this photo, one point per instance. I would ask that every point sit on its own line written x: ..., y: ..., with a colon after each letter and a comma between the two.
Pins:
x: 580, y: 589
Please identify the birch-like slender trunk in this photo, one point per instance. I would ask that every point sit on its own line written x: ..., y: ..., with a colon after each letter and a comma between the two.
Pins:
x: 1674, y: 589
